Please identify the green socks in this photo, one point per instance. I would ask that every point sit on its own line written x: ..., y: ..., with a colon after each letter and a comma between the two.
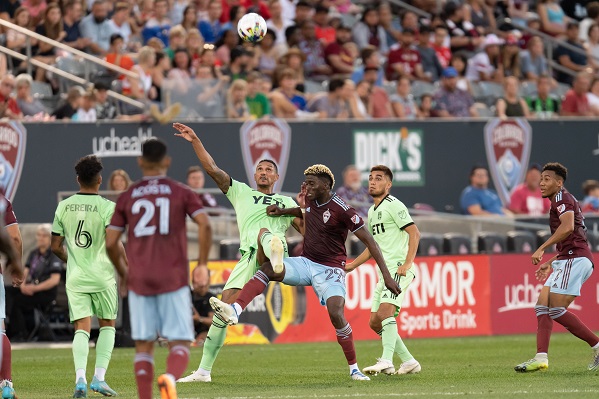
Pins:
x: 401, y: 350
x: 389, y: 336
x: 80, y: 351
x: 214, y: 341
x: 104, y: 347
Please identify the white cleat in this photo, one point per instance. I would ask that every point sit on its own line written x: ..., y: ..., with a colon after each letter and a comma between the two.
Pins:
x: 224, y: 311
x: 276, y: 254
x: 358, y: 376
x: 196, y: 377
x: 594, y: 365
x: 409, y: 368
x: 381, y: 366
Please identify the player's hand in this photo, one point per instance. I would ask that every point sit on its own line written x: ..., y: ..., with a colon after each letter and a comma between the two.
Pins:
x: 543, y: 271
x: 392, y: 285
x: 27, y: 289
x: 185, y: 131
x: 17, y: 274
x: 403, y: 269
x: 537, y: 256
x: 301, y: 196
x: 273, y: 210
x: 350, y: 267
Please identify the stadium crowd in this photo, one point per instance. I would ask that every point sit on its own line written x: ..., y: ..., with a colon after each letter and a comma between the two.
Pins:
x: 320, y: 59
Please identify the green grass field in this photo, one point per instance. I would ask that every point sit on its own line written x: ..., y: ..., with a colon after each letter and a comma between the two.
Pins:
x: 476, y: 367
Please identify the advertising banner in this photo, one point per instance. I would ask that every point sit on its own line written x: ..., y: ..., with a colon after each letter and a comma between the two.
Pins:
x: 13, y: 140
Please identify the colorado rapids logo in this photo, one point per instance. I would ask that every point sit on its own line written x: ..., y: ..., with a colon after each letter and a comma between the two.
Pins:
x: 13, y: 138
x: 326, y: 216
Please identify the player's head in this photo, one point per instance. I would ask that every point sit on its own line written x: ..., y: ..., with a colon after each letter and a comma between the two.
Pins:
x: 380, y: 181
x: 319, y: 181
x: 88, y: 171
x: 267, y: 174
x: 552, y: 179
x: 153, y: 156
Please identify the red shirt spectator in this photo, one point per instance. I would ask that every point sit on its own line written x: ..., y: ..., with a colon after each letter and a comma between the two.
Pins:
x: 257, y: 6
x: 576, y: 102
x: 8, y: 105
x: 324, y: 32
x: 404, y: 60
x: 526, y: 198
x: 336, y: 54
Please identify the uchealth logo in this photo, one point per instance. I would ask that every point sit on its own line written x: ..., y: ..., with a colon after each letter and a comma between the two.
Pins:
x: 115, y: 145
x: 13, y: 140
x: 265, y: 139
x: 507, y: 144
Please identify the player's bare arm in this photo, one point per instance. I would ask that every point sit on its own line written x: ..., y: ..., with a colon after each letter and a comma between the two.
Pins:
x: 274, y: 210
x: 298, y: 224
x: 15, y: 235
x: 360, y: 259
x: 220, y: 177
x: 13, y: 260
x: 413, y: 242
x: 565, y: 228
x: 374, y: 249
x: 113, y: 248
x: 58, y: 248
x: 544, y: 270
x: 204, y: 237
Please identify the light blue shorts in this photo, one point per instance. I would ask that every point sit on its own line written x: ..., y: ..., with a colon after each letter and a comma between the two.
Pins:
x: 326, y: 281
x: 568, y: 275
x: 168, y: 315
x: 2, y: 299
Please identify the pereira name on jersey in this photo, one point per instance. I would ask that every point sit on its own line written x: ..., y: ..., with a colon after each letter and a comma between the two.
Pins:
x: 576, y: 244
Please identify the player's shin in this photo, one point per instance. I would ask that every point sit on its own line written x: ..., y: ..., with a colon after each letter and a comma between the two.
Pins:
x: 104, y: 347
x: 389, y: 336
x: 252, y: 289
x: 144, y: 374
x: 177, y: 360
x: 402, y: 351
x: 544, y: 327
x: 80, y: 352
x: 5, y: 359
x: 345, y: 338
x: 214, y: 341
x: 574, y: 325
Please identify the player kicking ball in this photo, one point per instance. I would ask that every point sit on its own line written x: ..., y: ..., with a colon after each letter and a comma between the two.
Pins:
x: 397, y: 236
x: 572, y: 266
x: 327, y: 222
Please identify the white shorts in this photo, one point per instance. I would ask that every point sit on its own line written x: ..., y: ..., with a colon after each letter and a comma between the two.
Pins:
x: 568, y: 275
x: 168, y: 315
x: 326, y: 281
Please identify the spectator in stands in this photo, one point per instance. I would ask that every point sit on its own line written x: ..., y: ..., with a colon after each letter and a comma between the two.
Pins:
x: 42, y: 276
x: 237, y: 108
x: 354, y: 192
x: 141, y: 89
x: 575, y: 101
x: 190, y: 18
x: 230, y: 40
x: 8, y: 105
x: 431, y: 66
x: 362, y: 94
x: 575, y: 60
x: 440, y: 45
x: 532, y: 61
x: 257, y: 102
x: 159, y: 25
x: 336, y: 103
x: 236, y: 12
x: 510, y: 57
x: 52, y: 28
x: 479, y: 14
x: 591, y: 196
x: 277, y: 23
x: 29, y: 105
x: 315, y: 66
x: 72, y: 13
x: 526, y: 198
x: 544, y: 106
x: 257, y: 6
x: 378, y: 102
x: 370, y: 32
x: 592, y: 45
x: 486, y: 66
x: 202, y: 312
x: 553, y: 19
x: 593, y: 96
x: 71, y: 105
x: 518, y: 12
x: 478, y: 199
x: 324, y: 31
x: 195, y: 46
x: 370, y: 58
x: 269, y: 54
x: 116, y: 53
x: 451, y: 102
x: 106, y: 109
x: 402, y: 102
x: 36, y: 9
x: 459, y: 61
x: 293, y: 59
x: 511, y: 105
x: 286, y: 101
x: 592, y: 18
x: 211, y: 29
x: 238, y: 68
x: 303, y: 12
x: 17, y: 41
x: 119, y: 22
x: 404, y: 59
x: 8, y: 9
x: 463, y: 35
x: 196, y: 181
x: 119, y: 180
x: 87, y: 109
x: 391, y: 23
x: 337, y: 55
x: 293, y: 36
x: 426, y: 106
x: 177, y: 9
x: 97, y: 28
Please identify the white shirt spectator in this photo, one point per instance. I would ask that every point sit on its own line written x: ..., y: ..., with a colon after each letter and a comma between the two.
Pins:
x: 85, y: 116
x: 478, y: 64
x: 281, y: 39
x: 593, y: 100
x: 123, y: 30
x: 288, y: 7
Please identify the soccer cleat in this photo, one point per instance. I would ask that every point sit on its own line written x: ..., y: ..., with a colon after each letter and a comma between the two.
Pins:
x: 358, y: 376
x: 224, y: 311
x: 7, y: 390
x: 101, y: 387
x: 532, y: 365
x: 166, y: 384
x: 196, y: 377
x: 276, y: 254
x: 594, y: 365
x: 381, y: 366
x: 80, y: 389
x: 409, y: 368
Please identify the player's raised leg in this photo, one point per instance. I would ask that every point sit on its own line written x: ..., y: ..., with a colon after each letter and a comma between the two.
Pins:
x: 544, y: 326
x: 271, y: 248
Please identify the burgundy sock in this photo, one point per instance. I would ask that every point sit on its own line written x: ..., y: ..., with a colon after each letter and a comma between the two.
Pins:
x: 252, y: 289
x: 144, y: 374
x: 6, y: 365
x: 177, y: 361
x: 544, y: 326
x: 345, y: 338
x: 574, y: 325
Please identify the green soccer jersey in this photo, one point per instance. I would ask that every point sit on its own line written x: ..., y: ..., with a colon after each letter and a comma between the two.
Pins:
x: 82, y: 219
x: 250, y: 207
x: 387, y: 222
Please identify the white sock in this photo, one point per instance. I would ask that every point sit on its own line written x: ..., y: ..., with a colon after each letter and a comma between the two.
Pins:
x: 596, y: 346
x: 541, y: 356
x: 237, y: 308
x: 353, y: 367
x: 100, y: 373
x: 80, y: 373
x: 201, y: 371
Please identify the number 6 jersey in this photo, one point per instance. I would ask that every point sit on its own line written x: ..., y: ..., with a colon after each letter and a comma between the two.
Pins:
x: 82, y: 219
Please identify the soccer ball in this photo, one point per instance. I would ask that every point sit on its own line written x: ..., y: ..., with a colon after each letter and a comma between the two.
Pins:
x: 251, y: 28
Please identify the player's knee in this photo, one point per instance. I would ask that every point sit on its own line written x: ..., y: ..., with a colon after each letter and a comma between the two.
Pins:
x: 261, y: 232
x: 375, y: 325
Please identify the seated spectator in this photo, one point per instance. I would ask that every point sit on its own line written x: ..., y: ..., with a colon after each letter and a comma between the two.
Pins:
x: 159, y: 25
x: 592, y: 46
x: 237, y: 108
x: 511, y: 105
x: 286, y: 101
x: 195, y: 46
x: 71, y: 105
x: 190, y: 18
x: 119, y: 22
x: 591, y: 196
x: 293, y: 59
x: 526, y: 198
x: 459, y: 61
x: 332, y: 105
x: 575, y: 101
x: 440, y: 46
x: 337, y: 55
x: 277, y: 23
x: 158, y: 73
x: 52, y: 28
x: 362, y: 95
x: 238, y: 68
x: 72, y: 13
x: 257, y: 6
x: 431, y: 67
x: 370, y: 58
x: 378, y: 102
x: 202, y: 312
x: 463, y: 35
x: 510, y: 57
x: 87, y: 109
x: 29, y: 105
x: 176, y: 40
x: 354, y: 192
x: 9, y: 108
x: 451, y: 102
x: 518, y: 12
x: 591, y: 19
x: 402, y: 102
x: 544, y: 106
x: 211, y: 29
x: 97, y: 28
x: 116, y: 54
x: 42, y: 276
x: 553, y: 19
x: 391, y: 23
x: 177, y: 9
x: 566, y: 57
x: 532, y: 61
x: 426, y: 106
x: 370, y: 32
x: 195, y: 181
x: 478, y: 199
x: 486, y: 66
x: 315, y: 65
x: 480, y: 15
x: 141, y: 89
x: 119, y: 180
x: 17, y: 41
x: 404, y: 59
x: 106, y: 108
x: 534, y: 23
x: 181, y: 70
x: 36, y: 9
x: 324, y: 31
x: 257, y: 102
x: 303, y: 12
x: 269, y: 54
x: 229, y: 41
x: 8, y: 9
x: 236, y: 12
x: 593, y: 96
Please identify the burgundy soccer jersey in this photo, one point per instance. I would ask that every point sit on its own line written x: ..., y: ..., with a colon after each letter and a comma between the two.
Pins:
x: 9, y: 214
x: 576, y: 244
x: 326, y: 231
x: 155, y: 210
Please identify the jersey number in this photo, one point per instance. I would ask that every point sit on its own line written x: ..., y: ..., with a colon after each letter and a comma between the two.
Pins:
x: 142, y: 228
x: 335, y: 273
x: 82, y: 238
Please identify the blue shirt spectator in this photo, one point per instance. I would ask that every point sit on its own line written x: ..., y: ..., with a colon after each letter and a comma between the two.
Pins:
x: 158, y: 26
x: 567, y: 57
x: 212, y: 29
x: 451, y: 101
x: 97, y: 28
x: 477, y: 199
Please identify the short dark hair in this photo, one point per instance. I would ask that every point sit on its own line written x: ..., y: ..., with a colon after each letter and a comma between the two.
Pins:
x: 335, y: 84
x: 572, y: 25
x: 382, y: 168
x: 589, y: 185
x: 559, y: 169
x: 271, y: 162
x: 304, y: 4
x: 194, y: 169
x: 367, y: 52
x: 114, y: 37
x: 153, y: 150
x: 237, y: 52
x: 88, y: 168
x: 593, y: 10
x: 477, y: 167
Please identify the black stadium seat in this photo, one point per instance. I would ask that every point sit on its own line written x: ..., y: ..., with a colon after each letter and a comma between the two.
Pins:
x: 456, y: 244
x: 593, y: 238
x: 521, y: 242
x: 542, y: 236
x: 229, y: 249
x: 491, y: 243
x: 430, y: 245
